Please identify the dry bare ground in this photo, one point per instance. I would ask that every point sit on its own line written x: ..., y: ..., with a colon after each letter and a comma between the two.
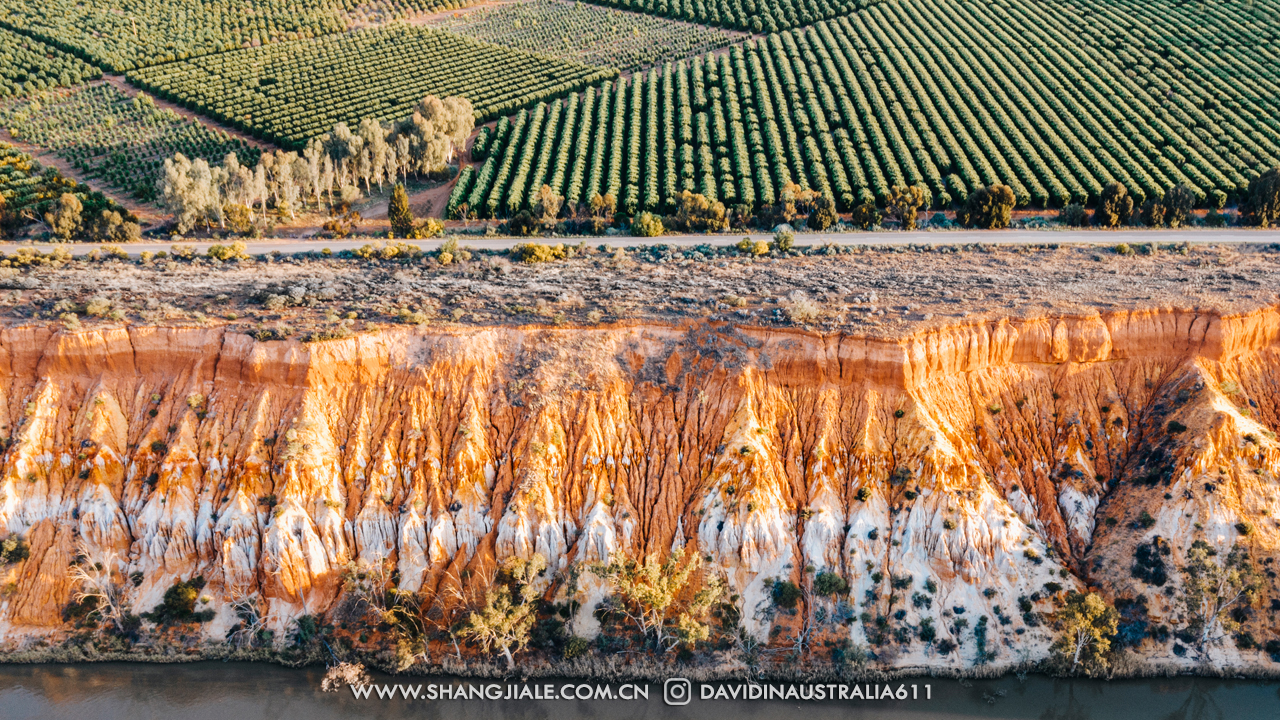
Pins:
x: 882, y: 291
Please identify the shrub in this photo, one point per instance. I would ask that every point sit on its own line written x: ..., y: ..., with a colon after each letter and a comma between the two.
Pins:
x: 784, y: 240
x: 1124, y: 249
x: 1179, y: 201
x: 1073, y: 215
x: 927, y: 633
x: 785, y: 594
x: 576, y: 647
x: 14, y: 549
x: 1146, y: 521
x: 747, y: 246
x: 823, y: 214
x: 988, y: 208
x: 863, y: 494
x: 1148, y: 565
x: 428, y: 228
x: 235, y: 251
x: 865, y: 216
x: 905, y: 204
x: 1262, y: 204
x: 537, y: 252
x: 1114, y: 206
x: 828, y: 583
x: 800, y: 309
x: 179, y: 604
x: 696, y: 213
x: 1244, y: 528
x: 522, y: 224
x: 647, y: 225
x: 97, y: 306
x: 1153, y: 213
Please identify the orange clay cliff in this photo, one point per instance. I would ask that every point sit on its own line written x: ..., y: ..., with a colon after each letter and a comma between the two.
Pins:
x: 965, y: 467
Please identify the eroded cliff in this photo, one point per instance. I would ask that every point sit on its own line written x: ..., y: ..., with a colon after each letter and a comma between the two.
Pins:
x: 964, y: 467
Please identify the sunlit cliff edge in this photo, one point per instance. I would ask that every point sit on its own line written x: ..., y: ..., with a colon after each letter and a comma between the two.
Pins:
x: 998, y: 457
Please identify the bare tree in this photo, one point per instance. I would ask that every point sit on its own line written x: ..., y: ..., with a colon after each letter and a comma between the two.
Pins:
x: 254, y: 621
x: 95, y: 579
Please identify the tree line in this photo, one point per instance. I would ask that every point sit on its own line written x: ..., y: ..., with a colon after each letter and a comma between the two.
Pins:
x: 333, y: 172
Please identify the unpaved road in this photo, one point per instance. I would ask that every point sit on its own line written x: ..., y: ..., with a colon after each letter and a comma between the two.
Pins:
x: 934, y: 237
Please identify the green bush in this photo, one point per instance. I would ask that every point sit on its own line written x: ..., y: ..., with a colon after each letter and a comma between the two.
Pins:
x: 866, y: 216
x: 823, y: 214
x: 1262, y: 206
x: 784, y: 240
x: 14, y: 549
x: 786, y: 594
x: 576, y: 647
x: 1073, y: 215
x: 538, y: 253
x: 828, y: 583
x: 647, y: 225
x: 179, y: 604
x: 988, y: 208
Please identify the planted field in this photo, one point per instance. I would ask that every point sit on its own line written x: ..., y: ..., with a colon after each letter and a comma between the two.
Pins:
x: 30, y: 190
x: 125, y: 35
x: 120, y: 140
x: 28, y: 65
x: 587, y: 34
x: 946, y: 94
x: 24, y: 184
x: 750, y: 15
x: 290, y: 92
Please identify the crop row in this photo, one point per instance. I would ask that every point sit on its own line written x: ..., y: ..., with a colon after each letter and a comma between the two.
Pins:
x: 938, y: 93
x: 290, y: 92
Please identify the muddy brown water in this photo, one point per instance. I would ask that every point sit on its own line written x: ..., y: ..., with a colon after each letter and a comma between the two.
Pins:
x: 246, y: 691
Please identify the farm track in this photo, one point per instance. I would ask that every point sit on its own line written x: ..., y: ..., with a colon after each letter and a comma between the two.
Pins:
x: 1101, y: 238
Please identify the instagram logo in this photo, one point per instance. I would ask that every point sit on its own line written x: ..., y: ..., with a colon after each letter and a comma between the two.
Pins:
x: 677, y: 691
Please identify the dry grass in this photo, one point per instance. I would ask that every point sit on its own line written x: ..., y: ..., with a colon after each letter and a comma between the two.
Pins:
x: 872, y: 291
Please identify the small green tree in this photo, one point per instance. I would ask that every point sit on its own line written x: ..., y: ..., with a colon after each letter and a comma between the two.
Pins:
x: 1262, y: 206
x: 1086, y: 626
x: 1114, y: 206
x: 1179, y: 202
x: 865, y: 216
x: 658, y: 598
x: 1210, y: 590
x: 1073, y: 215
x: 784, y: 240
x: 402, y: 220
x: 988, y: 208
x: 503, y: 624
x: 905, y: 204
x: 1154, y: 212
x: 823, y: 214
x: 647, y: 225
x: 547, y: 207
x: 65, y: 218
x: 697, y: 213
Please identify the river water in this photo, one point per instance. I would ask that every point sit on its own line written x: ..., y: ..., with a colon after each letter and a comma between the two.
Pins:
x: 245, y: 691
